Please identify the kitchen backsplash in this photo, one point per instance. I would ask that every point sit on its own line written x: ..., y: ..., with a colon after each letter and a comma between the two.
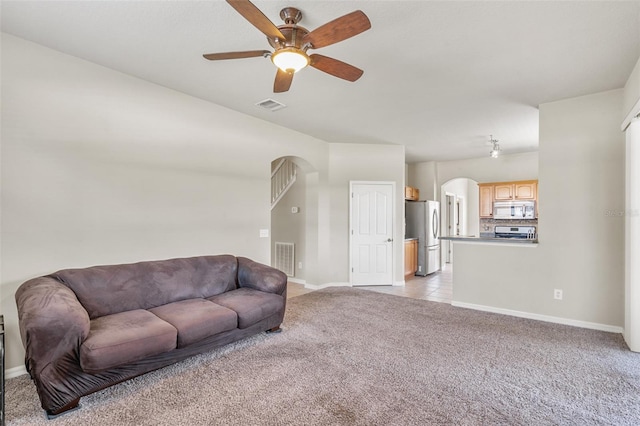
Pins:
x: 487, y: 224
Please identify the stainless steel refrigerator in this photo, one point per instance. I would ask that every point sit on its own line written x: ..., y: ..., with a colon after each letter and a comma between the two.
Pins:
x: 423, y: 222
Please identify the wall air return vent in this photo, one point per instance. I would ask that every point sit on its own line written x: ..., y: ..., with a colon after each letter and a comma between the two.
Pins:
x: 271, y: 105
x: 285, y: 258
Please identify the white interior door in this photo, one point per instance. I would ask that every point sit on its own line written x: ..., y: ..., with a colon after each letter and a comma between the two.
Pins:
x: 371, y: 234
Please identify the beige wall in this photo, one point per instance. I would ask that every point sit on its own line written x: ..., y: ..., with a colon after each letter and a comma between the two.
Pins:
x: 424, y: 177
x: 581, y: 176
x: 99, y: 167
x: 348, y: 162
x: 504, y: 168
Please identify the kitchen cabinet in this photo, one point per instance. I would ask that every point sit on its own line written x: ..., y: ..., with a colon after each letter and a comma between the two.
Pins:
x: 486, y: 200
x: 411, y: 193
x: 511, y: 191
x: 410, y: 257
x: 503, y: 192
x: 525, y: 190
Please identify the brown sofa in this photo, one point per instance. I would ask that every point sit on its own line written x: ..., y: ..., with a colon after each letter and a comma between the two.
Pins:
x: 86, y: 329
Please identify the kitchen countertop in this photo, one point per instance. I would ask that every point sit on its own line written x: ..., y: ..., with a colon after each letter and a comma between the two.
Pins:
x: 491, y: 240
x: 409, y: 239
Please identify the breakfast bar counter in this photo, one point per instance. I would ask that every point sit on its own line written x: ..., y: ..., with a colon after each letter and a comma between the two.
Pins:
x: 490, y: 240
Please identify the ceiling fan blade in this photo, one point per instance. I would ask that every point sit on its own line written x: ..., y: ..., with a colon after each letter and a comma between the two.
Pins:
x: 335, y: 67
x: 252, y: 14
x: 283, y: 81
x: 236, y: 55
x: 339, y: 29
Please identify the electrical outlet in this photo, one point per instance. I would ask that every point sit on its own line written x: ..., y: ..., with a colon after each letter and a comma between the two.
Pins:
x: 557, y: 294
x: 419, y: 268
x: 299, y: 265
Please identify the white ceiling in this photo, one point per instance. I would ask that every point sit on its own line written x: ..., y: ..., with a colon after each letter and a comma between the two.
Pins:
x: 440, y: 76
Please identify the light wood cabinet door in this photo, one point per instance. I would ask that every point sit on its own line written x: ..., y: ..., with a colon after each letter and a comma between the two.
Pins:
x: 411, y: 193
x: 408, y: 192
x: 503, y: 192
x: 525, y: 191
x: 486, y: 200
x: 410, y: 257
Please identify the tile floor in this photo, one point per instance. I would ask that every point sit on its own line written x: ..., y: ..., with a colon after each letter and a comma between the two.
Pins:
x: 436, y: 287
x: 295, y: 289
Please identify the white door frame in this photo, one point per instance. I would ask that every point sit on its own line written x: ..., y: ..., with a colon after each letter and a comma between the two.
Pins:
x: 393, y: 225
x: 461, y: 214
x: 450, y: 220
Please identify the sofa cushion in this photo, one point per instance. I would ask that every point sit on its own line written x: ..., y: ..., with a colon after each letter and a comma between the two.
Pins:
x: 125, y: 337
x: 251, y: 305
x: 196, y: 319
x: 109, y: 289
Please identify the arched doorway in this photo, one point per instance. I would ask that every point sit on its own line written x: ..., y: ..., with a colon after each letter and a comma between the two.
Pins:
x: 294, y: 217
x: 459, y: 212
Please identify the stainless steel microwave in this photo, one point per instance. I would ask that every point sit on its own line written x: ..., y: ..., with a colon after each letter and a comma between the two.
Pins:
x: 514, y: 210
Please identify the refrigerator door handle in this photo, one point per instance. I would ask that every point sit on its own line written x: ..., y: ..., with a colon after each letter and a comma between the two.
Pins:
x: 434, y: 223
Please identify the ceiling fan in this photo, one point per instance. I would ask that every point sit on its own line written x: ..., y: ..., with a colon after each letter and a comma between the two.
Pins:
x: 291, y: 43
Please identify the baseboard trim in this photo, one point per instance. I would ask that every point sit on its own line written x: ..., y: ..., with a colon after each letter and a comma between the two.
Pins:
x: 296, y: 280
x: 539, y: 317
x: 15, y: 372
x: 325, y: 285
x: 338, y: 284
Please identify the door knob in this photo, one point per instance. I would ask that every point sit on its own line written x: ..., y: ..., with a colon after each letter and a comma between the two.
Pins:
x: 389, y: 240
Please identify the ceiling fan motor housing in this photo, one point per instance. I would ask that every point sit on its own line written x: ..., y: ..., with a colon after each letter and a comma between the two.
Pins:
x: 291, y: 15
x: 293, y: 33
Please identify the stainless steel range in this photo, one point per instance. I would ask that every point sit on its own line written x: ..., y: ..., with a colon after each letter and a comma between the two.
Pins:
x: 515, y: 232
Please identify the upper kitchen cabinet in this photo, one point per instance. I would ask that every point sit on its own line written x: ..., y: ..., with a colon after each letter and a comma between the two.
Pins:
x: 505, y: 191
x: 411, y: 194
x: 522, y: 190
x: 486, y: 199
x: 525, y: 190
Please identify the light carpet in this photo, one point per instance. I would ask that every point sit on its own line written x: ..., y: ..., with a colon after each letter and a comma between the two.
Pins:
x: 355, y: 357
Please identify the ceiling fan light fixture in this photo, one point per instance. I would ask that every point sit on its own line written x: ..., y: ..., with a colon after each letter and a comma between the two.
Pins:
x: 290, y: 59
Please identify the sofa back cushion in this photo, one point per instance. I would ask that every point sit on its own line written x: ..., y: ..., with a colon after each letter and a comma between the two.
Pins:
x: 105, y: 290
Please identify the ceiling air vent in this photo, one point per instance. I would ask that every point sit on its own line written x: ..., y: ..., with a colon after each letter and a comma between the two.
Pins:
x: 271, y: 105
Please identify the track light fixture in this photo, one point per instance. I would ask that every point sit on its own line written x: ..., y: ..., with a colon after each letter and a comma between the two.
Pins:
x: 495, y: 152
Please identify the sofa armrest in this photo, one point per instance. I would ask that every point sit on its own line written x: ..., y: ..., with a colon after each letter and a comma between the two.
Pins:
x: 261, y: 277
x: 52, y: 322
